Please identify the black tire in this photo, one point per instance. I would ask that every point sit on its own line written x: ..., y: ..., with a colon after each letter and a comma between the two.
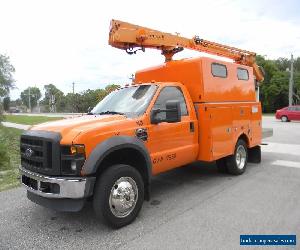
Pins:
x: 102, y: 191
x: 284, y: 118
x: 221, y: 165
x: 231, y: 161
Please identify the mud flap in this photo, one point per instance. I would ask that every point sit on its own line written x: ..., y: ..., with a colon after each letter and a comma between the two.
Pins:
x: 254, y: 154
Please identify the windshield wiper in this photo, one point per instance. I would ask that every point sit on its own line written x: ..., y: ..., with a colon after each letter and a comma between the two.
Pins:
x: 110, y: 113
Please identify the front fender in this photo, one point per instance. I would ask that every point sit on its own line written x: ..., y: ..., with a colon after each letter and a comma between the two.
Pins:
x: 110, y: 145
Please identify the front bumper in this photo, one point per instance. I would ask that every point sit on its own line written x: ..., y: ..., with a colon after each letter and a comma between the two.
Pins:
x: 57, y: 187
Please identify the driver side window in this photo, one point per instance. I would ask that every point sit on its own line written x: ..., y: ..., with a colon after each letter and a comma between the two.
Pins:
x: 168, y: 94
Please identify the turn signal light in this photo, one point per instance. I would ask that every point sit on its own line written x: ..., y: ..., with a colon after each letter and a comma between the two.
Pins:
x: 77, y: 149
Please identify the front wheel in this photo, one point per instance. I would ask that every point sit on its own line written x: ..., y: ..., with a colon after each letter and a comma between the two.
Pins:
x: 118, y: 195
x: 236, y: 163
x: 284, y: 118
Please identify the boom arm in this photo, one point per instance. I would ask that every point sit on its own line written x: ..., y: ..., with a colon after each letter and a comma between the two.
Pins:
x: 128, y: 36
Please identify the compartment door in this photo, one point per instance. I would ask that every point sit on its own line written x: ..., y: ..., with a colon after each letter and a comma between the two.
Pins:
x: 221, y: 131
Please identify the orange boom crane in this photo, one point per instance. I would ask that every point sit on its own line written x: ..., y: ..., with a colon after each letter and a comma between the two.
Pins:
x: 128, y: 37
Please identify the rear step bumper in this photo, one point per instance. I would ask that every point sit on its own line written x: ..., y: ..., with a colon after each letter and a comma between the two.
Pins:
x: 57, y: 187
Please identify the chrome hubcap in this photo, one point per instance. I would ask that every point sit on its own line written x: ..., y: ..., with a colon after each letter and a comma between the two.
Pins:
x: 123, y: 197
x: 240, y: 157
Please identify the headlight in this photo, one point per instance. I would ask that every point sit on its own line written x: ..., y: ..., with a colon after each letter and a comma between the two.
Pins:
x: 72, y: 159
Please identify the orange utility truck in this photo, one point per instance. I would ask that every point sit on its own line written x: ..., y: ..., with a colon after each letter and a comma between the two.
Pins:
x: 183, y: 111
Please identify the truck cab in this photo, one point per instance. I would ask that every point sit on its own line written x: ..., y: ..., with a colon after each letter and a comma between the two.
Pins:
x: 172, y: 115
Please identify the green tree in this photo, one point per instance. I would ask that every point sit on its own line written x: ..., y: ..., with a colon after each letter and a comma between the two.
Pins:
x: 6, y: 75
x: 35, y: 95
x: 53, y: 98
x: 6, y: 103
x: 269, y: 67
x: 70, y: 102
x: 82, y: 102
x: 15, y: 103
x: 6, y: 83
x: 89, y: 99
x: 297, y: 87
x: 276, y: 92
x: 274, y: 89
x: 297, y: 64
x: 111, y: 87
x: 282, y: 63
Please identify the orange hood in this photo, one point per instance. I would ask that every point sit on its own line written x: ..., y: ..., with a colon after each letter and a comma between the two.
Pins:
x: 70, y: 128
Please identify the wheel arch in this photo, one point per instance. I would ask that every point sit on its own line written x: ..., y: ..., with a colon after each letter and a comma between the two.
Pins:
x: 120, y: 150
x: 245, y: 138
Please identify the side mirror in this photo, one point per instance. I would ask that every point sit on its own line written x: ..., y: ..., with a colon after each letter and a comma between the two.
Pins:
x: 172, y: 113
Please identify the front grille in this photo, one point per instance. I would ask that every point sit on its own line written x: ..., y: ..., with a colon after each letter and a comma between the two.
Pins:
x: 40, y: 152
x: 36, y: 153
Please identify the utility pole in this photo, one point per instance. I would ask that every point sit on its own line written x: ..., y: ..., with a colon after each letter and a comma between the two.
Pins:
x: 291, y: 81
x: 38, y: 106
x: 73, y: 83
x: 29, y: 101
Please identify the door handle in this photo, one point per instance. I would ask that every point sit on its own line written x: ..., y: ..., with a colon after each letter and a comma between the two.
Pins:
x: 192, y: 127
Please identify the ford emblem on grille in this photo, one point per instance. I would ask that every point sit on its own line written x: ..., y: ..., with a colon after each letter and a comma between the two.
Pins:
x: 29, y: 152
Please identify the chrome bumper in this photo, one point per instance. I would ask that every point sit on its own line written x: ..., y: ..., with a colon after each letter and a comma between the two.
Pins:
x: 57, y: 187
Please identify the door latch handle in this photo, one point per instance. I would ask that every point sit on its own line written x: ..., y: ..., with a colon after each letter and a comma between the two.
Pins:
x: 192, y: 127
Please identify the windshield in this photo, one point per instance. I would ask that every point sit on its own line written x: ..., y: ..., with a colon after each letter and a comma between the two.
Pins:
x: 130, y: 101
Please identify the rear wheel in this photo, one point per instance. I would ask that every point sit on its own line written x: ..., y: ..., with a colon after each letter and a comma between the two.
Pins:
x: 236, y: 163
x: 284, y: 118
x: 118, y: 195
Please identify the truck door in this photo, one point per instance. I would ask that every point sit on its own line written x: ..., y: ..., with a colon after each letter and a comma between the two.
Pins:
x: 172, y: 144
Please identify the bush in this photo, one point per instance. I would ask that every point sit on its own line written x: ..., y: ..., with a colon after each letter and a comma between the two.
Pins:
x: 4, y: 159
x: 9, y: 157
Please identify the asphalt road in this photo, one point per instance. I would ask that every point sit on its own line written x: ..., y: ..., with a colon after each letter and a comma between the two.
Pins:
x: 193, y: 207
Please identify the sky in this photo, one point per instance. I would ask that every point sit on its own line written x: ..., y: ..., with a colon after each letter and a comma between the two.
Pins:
x: 60, y: 41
